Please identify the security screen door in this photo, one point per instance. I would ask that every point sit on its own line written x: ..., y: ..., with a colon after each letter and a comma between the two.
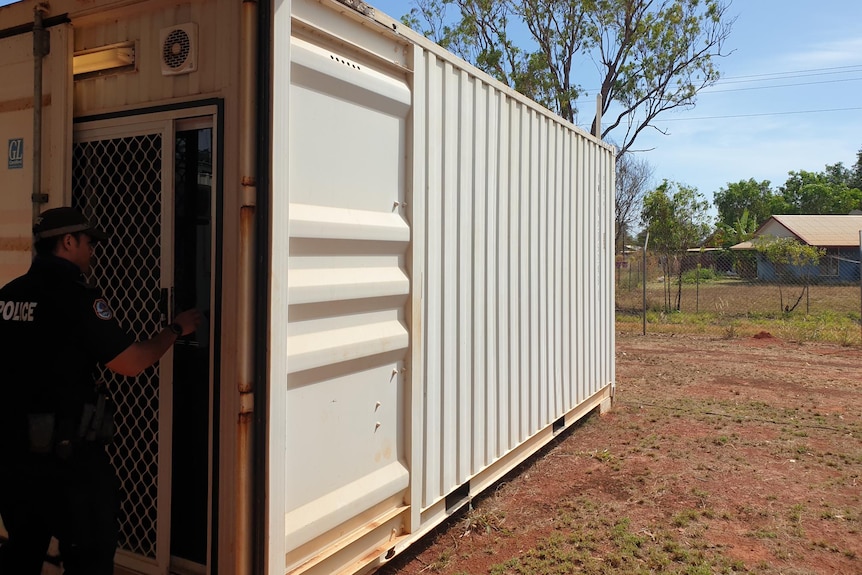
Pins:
x: 148, y: 181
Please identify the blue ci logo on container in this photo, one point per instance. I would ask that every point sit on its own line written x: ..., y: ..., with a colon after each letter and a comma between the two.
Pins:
x: 16, y: 153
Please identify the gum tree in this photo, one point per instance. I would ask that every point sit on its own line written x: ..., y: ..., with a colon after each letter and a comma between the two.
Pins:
x: 647, y: 57
x: 633, y: 178
x: 676, y: 217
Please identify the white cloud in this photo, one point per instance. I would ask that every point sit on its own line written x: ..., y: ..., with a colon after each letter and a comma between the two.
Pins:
x: 827, y: 54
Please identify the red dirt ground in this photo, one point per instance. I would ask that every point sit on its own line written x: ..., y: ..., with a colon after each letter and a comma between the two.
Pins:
x: 745, y: 451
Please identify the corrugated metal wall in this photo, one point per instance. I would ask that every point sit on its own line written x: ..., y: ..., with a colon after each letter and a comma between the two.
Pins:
x: 498, y: 311
x: 517, y: 247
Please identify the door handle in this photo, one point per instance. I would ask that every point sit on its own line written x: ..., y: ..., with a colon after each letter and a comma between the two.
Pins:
x: 165, y: 305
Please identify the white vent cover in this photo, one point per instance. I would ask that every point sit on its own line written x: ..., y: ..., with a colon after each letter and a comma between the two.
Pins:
x: 179, y: 49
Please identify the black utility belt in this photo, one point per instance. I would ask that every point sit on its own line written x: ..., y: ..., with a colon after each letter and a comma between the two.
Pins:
x: 49, y: 434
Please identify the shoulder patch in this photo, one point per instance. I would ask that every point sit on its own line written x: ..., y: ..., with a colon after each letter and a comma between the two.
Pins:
x: 102, y: 309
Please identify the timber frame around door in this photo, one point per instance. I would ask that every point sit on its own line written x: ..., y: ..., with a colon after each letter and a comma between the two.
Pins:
x: 124, y: 180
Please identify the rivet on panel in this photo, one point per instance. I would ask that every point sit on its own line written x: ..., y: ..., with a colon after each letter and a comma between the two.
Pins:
x: 377, y: 426
x: 377, y: 406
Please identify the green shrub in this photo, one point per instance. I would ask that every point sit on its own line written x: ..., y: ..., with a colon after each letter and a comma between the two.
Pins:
x: 703, y: 275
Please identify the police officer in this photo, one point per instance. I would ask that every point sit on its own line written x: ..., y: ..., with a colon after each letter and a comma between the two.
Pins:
x: 55, y: 476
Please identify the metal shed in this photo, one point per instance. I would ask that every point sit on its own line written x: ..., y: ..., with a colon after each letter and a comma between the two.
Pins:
x: 407, y: 267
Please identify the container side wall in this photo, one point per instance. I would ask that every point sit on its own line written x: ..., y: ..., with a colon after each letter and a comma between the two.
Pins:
x: 517, y: 314
x: 448, y: 278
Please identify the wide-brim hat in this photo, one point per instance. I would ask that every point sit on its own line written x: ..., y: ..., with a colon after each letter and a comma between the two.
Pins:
x: 59, y: 221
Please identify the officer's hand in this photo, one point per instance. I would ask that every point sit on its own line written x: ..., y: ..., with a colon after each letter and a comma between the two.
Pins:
x: 189, y: 320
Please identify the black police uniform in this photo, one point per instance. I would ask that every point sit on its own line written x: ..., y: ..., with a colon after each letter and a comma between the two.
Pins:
x: 54, y: 329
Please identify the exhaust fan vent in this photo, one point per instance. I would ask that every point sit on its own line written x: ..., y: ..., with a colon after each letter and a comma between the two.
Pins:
x: 179, y: 49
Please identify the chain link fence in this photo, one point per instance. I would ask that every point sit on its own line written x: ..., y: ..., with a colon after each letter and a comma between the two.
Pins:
x: 728, y: 294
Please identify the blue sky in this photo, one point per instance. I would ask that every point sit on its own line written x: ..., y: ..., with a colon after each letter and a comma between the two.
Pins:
x: 790, y: 97
x: 791, y: 61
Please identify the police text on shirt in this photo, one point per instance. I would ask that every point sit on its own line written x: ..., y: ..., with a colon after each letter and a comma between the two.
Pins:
x: 17, y: 310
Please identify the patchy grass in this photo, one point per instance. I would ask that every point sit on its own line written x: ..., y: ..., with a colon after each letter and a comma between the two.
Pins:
x: 829, y: 327
x: 721, y: 456
x: 734, y: 308
x: 590, y: 540
x: 739, y: 298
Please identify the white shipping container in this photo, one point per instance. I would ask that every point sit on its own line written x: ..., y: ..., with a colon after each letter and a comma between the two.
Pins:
x: 406, y: 266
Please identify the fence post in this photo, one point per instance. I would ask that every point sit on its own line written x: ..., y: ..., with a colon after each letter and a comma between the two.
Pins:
x: 697, y: 289
x: 646, y: 243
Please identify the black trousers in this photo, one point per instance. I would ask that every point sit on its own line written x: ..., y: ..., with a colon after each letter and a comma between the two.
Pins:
x: 76, y: 501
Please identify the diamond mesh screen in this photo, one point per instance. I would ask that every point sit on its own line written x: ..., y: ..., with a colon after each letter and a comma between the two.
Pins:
x: 117, y: 183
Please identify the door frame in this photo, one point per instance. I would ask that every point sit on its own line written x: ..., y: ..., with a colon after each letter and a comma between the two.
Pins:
x: 167, y: 120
